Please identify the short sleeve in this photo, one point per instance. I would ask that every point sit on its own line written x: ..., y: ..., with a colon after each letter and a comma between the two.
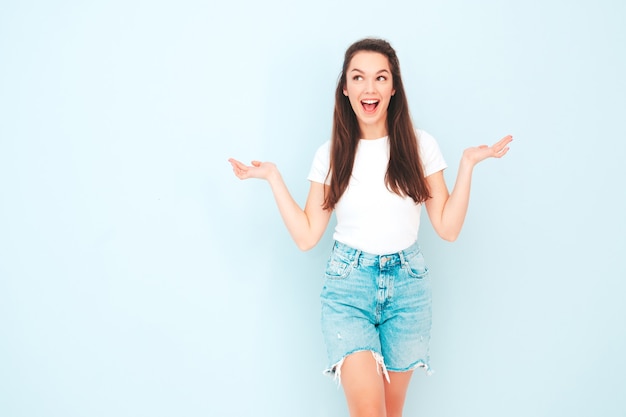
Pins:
x: 321, y: 165
x: 432, y: 159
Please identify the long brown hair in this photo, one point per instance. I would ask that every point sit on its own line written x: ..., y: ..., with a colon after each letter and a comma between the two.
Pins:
x: 405, y: 175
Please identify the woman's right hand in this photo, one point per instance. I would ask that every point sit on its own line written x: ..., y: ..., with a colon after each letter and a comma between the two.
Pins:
x: 258, y: 169
x: 307, y: 226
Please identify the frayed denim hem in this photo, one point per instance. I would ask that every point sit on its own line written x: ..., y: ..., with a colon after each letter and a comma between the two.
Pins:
x: 418, y: 364
x: 335, y: 370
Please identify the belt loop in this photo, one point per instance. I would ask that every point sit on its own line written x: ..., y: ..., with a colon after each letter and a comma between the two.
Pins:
x: 401, y: 254
x: 357, y: 255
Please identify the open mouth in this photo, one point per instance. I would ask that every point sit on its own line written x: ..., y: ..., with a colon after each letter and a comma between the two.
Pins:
x: 369, y: 105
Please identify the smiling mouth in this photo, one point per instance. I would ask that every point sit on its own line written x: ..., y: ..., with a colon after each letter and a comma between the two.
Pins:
x: 369, y: 105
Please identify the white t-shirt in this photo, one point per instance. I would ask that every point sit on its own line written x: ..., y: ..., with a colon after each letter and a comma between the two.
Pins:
x: 369, y: 216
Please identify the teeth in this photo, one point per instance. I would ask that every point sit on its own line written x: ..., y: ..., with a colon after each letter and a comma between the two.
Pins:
x: 370, y: 101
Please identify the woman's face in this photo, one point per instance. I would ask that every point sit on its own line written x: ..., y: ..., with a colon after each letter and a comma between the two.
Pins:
x: 369, y: 86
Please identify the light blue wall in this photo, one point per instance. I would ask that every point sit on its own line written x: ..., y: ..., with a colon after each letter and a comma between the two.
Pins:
x: 138, y: 277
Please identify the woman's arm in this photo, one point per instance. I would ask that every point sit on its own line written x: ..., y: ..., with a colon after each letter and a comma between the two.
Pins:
x: 447, y: 210
x: 307, y: 226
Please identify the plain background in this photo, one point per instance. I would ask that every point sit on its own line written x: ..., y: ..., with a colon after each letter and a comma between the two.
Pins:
x: 139, y: 277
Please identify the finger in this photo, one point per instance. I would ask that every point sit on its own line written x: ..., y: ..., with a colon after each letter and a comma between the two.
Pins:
x: 504, y: 141
x: 502, y: 152
x: 237, y: 164
x: 256, y: 163
x: 502, y: 144
x: 239, y: 169
x: 240, y: 173
x: 233, y: 161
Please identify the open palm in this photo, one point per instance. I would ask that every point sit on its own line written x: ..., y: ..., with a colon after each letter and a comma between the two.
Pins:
x: 258, y: 169
x: 480, y: 153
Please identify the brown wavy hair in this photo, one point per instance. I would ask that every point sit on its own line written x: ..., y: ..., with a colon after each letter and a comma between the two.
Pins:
x: 405, y: 174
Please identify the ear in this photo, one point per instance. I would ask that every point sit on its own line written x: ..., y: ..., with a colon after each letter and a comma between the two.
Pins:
x: 393, y: 92
x: 345, y: 92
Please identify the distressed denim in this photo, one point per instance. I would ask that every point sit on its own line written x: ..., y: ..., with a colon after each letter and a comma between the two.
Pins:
x: 377, y: 303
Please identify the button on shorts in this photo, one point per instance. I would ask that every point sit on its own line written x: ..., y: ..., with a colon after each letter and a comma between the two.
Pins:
x: 377, y: 303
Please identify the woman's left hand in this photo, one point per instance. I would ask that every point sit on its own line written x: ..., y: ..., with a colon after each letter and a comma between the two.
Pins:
x: 480, y: 153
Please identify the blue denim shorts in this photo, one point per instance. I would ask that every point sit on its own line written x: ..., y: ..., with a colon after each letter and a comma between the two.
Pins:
x: 377, y: 303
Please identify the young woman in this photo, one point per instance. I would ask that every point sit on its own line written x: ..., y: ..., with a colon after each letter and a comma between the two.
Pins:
x: 375, y: 173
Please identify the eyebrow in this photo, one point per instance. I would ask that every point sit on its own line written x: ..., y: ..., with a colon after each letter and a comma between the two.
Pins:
x: 380, y: 71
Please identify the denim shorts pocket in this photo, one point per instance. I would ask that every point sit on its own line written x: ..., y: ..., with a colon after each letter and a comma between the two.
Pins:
x: 416, y: 266
x: 337, y: 268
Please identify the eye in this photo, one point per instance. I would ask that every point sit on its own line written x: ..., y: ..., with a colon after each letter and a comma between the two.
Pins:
x: 357, y: 77
x: 381, y: 78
